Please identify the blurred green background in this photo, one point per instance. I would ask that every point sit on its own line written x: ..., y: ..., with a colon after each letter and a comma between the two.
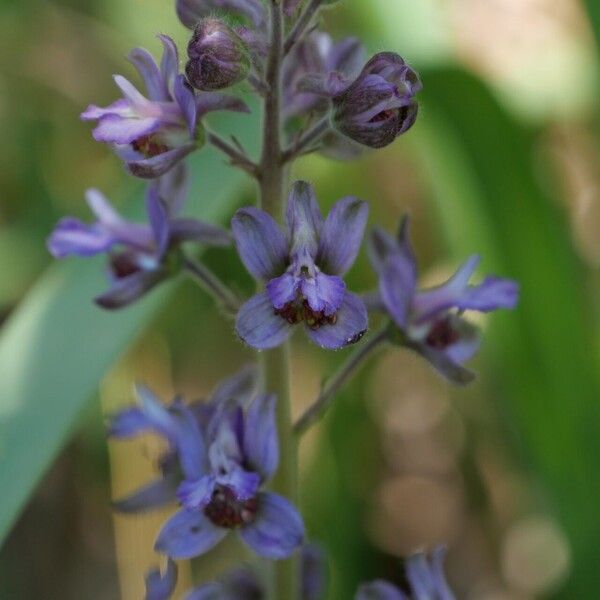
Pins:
x: 504, y: 160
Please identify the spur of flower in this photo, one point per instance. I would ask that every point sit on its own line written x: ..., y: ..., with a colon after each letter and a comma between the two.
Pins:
x: 425, y: 576
x: 152, y: 134
x: 225, y: 454
x: 302, y: 269
x: 431, y: 321
x: 140, y: 255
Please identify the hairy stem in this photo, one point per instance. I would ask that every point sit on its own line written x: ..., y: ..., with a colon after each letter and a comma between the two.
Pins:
x: 275, y: 363
x: 325, y: 399
x: 238, y: 158
x: 302, y: 24
x: 211, y: 284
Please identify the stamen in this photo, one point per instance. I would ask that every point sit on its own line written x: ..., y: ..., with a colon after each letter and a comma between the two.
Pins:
x: 149, y: 146
x: 442, y: 335
x: 296, y: 312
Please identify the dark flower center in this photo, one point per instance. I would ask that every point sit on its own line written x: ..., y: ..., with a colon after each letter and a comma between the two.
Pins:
x: 149, y: 146
x: 298, y: 311
x: 384, y: 115
x: 123, y: 265
x: 442, y: 335
x: 224, y: 510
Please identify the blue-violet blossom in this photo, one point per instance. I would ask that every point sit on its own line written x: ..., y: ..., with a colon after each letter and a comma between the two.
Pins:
x: 431, y: 321
x: 152, y: 134
x: 140, y: 255
x: 302, y: 269
x: 425, y: 576
x: 160, y: 586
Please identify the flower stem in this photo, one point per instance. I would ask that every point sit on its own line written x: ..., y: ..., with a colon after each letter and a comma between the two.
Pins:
x: 275, y: 364
x: 325, y: 399
x: 211, y: 284
x: 307, y: 140
x: 238, y: 158
x: 302, y: 24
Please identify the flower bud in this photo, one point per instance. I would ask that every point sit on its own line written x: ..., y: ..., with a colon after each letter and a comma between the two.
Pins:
x: 218, y: 57
x: 379, y: 105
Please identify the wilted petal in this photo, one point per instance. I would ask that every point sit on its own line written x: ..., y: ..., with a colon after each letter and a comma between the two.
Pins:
x: 342, y: 235
x: 144, y: 62
x: 352, y: 322
x: 304, y: 220
x: 259, y: 326
x: 283, y: 289
x: 187, y: 534
x: 160, y: 587
x: 324, y: 293
x: 192, y: 230
x: 196, y: 494
x: 129, y: 289
x: 153, y: 495
x: 278, y: 529
x: 73, y: 237
x: 260, y: 243
x: 261, y: 445
x: 156, y: 166
x: 379, y: 590
x: 118, y: 130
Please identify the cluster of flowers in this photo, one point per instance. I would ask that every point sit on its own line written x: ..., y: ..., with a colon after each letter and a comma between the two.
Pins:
x: 223, y: 452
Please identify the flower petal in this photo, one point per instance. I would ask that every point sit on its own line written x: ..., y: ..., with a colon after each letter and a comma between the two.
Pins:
x: 379, y: 590
x: 196, y: 494
x: 244, y: 484
x: 352, y: 322
x: 440, y: 360
x: 159, y: 219
x: 129, y: 289
x: 160, y: 587
x: 128, y: 423
x: 491, y: 294
x: 169, y: 64
x: 174, y: 187
x: 261, y: 445
x: 283, y: 289
x: 118, y: 130
x: 144, y: 62
x: 324, y: 293
x: 260, y: 243
x: 397, y: 287
x: 187, y: 534
x: 342, y: 235
x: 304, y: 219
x: 130, y: 92
x: 187, y: 103
x: 120, y: 108
x: 278, y: 529
x: 259, y: 326
x: 153, y: 495
x: 240, y: 387
x: 427, y: 579
x: 156, y: 166
x: 73, y: 237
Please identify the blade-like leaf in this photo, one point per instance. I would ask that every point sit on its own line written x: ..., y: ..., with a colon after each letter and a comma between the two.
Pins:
x: 57, y: 345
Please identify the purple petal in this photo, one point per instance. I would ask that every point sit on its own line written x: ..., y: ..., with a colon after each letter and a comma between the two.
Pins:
x: 381, y: 246
x: 324, y: 293
x: 160, y: 587
x: 278, y: 529
x: 159, y: 220
x: 469, y: 340
x: 131, y: 93
x: 196, y: 494
x: 449, y: 369
x: 211, y: 101
x: 119, y: 108
x: 192, y: 230
x: 427, y: 579
x: 283, y: 289
x: 261, y: 446
x: 128, y: 423
x: 187, y: 103
x: 342, y: 235
x: 352, y: 322
x: 174, y: 187
x: 151, y: 168
x: 191, y: 449
x: 244, y: 484
x: 397, y: 287
x: 259, y: 326
x: 491, y: 294
x: 260, y: 243
x: 187, y: 534
x: 129, y: 289
x: 71, y: 236
x: 156, y: 494
x: 102, y: 208
x: 240, y: 387
x: 169, y: 64
x: 118, y: 130
x: 379, y: 590
x: 144, y: 62
x: 304, y: 220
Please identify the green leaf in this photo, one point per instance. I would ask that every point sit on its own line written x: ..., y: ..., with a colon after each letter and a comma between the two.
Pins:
x: 57, y: 345
x: 480, y: 163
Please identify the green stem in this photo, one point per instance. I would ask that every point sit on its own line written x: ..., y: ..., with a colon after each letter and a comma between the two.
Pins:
x: 275, y: 364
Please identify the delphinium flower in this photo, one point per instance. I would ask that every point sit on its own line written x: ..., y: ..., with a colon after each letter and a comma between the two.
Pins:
x: 302, y: 269
x: 152, y: 134
x: 431, y: 321
x: 425, y: 576
x: 226, y: 456
x: 140, y: 255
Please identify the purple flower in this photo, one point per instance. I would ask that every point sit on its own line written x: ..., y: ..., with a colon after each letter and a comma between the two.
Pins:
x: 430, y: 321
x: 152, y: 134
x: 379, y: 105
x: 140, y: 255
x: 191, y: 11
x: 303, y: 270
x: 425, y: 576
x: 161, y: 586
x: 218, y: 57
